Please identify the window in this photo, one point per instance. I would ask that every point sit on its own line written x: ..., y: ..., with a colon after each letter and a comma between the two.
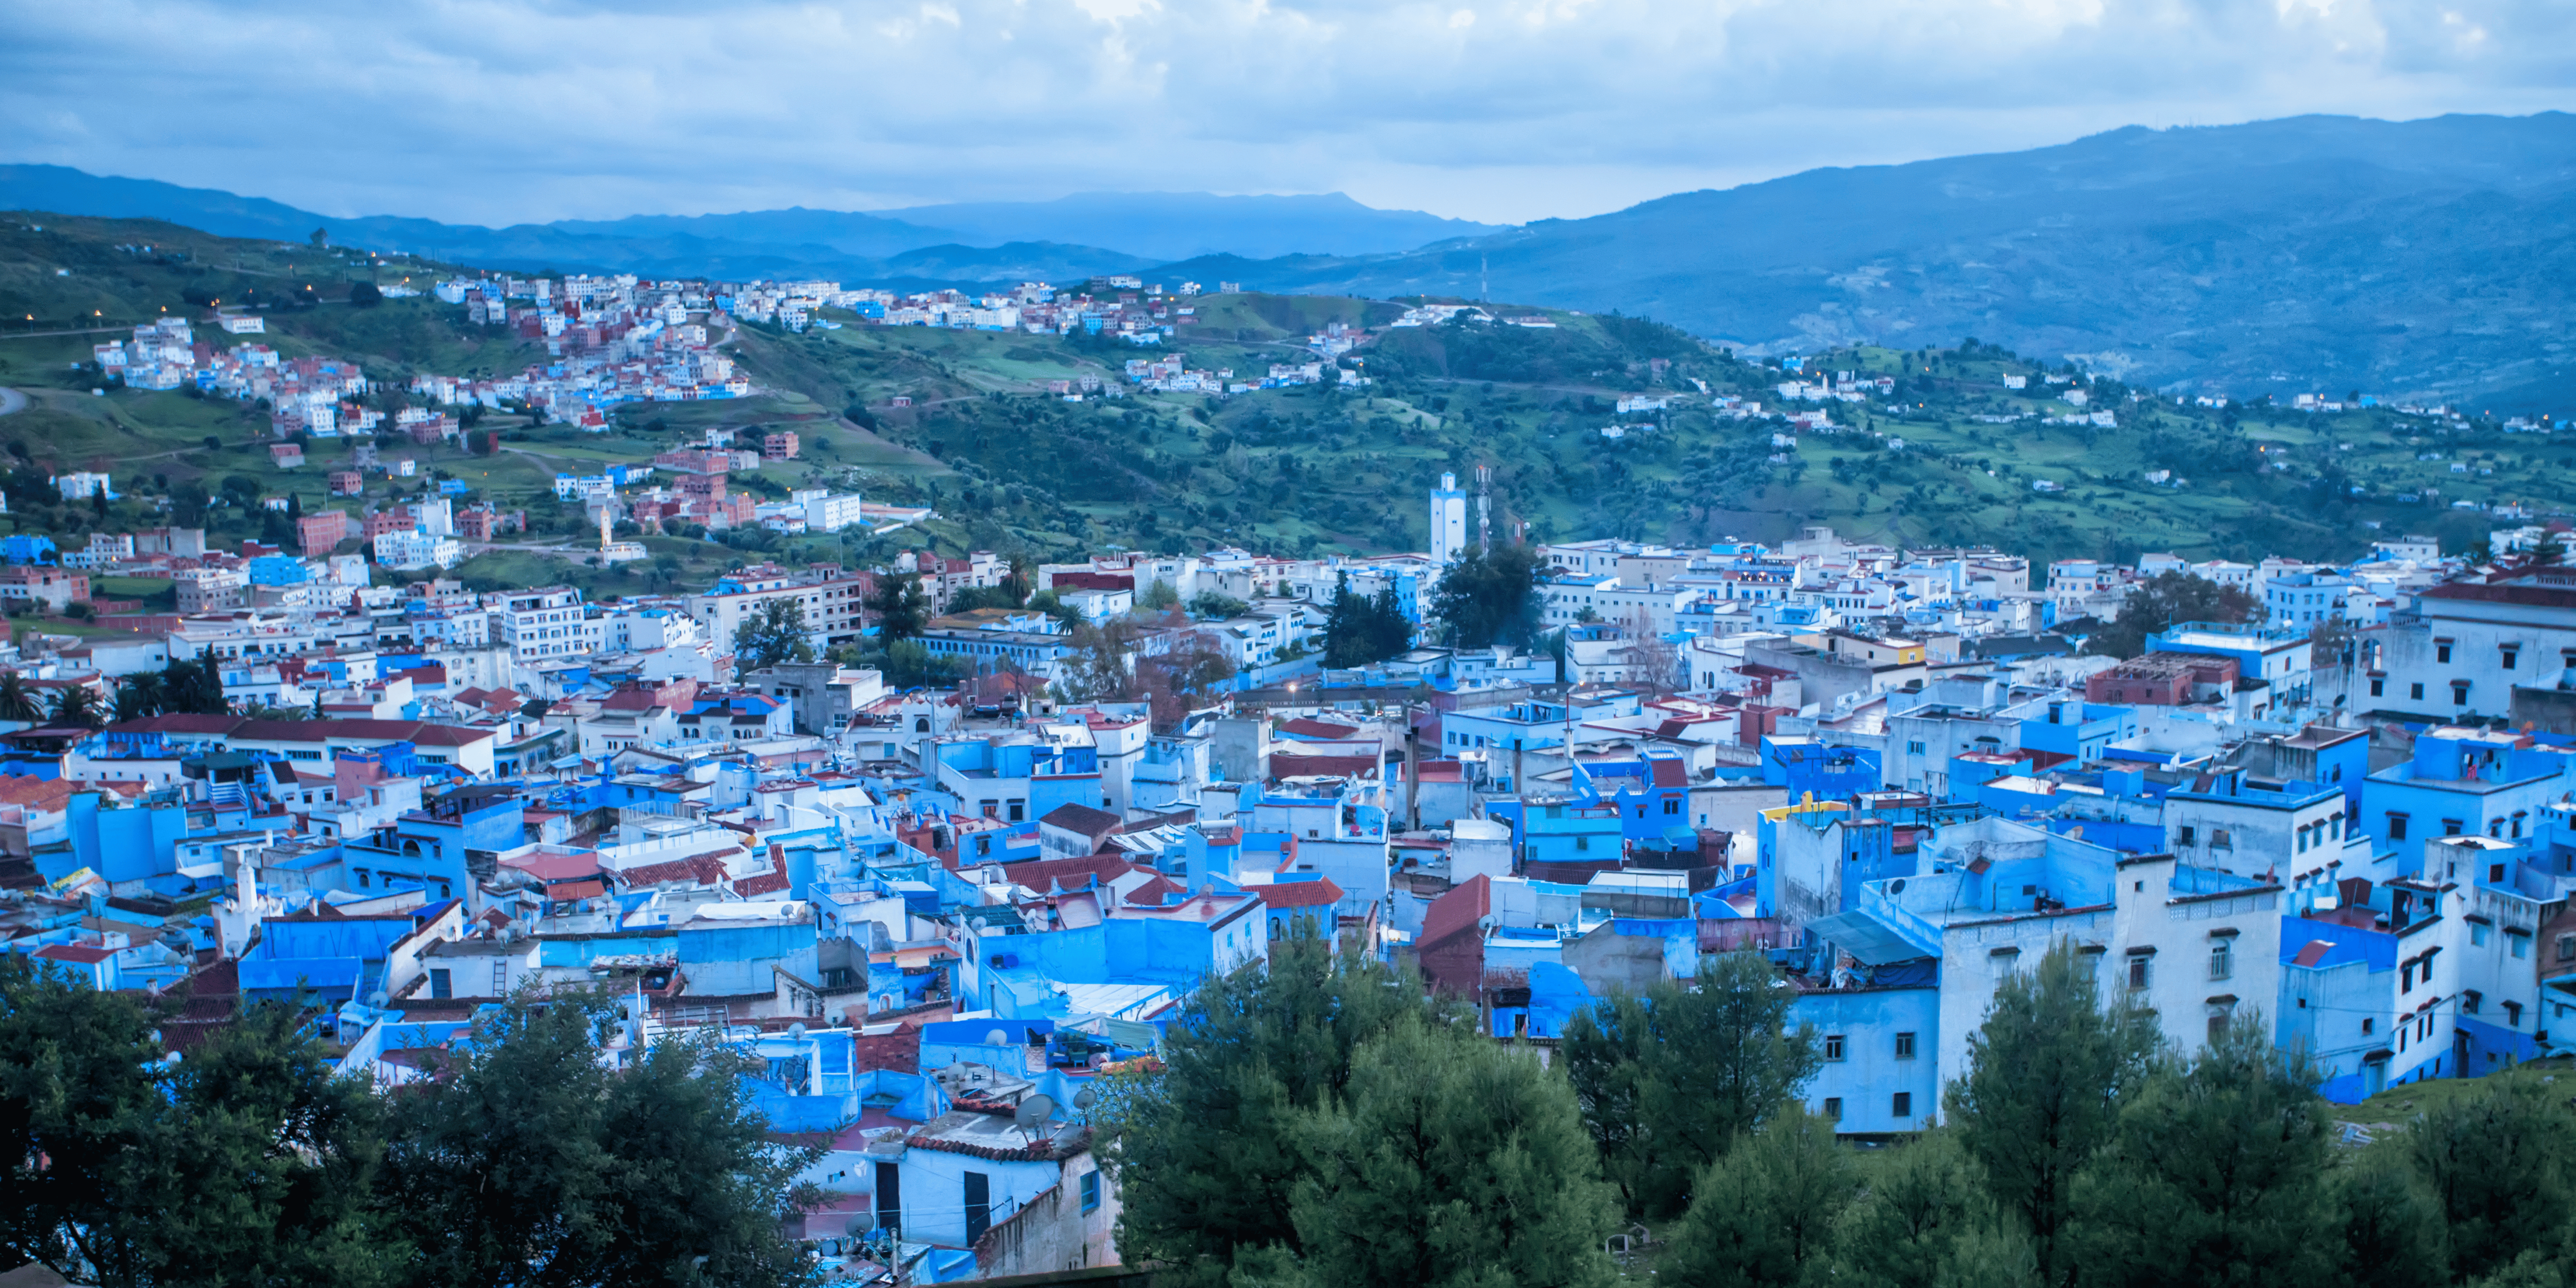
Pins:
x: 2415, y: 691
x: 2509, y: 656
x: 2186, y: 834
x: 1833, y: 1046
x: 2141, y: 971
x: 1914, y: 747
x: 2567, y: 948
x: 2450, y: 827
x: 2459, y: 693
x: 2478, y: 933
x: 1091, y: 1191
x: 2469, y: 1000
x: 2366, y: 1025
x: 441, y: 984
x: 1672, y: 807
x: 2218, y: 1018
x: 2521, y: 944
x: 1904, y: 1046
x: 1583, y: 842
x: 1901, y: 1104
x: 2513, y: 1015
x: 1833, y: 1109
x: 2222, y: 959
x: 2221, y: 839
x: 2442, y: 650
x: 2379, y: 688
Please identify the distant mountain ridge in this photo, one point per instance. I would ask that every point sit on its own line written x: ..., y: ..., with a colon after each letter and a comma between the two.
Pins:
x: 2434, y: 258
x: 1083, y: 234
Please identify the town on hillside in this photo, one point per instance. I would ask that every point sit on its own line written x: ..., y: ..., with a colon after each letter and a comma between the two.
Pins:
x: 945, y: 842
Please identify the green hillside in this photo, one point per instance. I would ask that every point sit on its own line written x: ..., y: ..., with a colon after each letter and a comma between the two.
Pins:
x: 1297, y: 470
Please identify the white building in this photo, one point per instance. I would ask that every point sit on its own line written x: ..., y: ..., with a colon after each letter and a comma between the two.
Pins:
x: 544, y: 623
x: 1448, y: 521
x: 825, y: 512
x: 409, y: 551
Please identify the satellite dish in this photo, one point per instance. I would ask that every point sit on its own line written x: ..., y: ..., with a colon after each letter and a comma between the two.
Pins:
x: 1086, y: 1098
x: 1033, y: 1113
x: 796, y: 1031
x: 860, y: 1225
x: 997, y: 1037
x: 379, y: 998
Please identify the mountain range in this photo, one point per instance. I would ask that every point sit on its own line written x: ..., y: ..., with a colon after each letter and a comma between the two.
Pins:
x: 2430, y: 259
x: 1071, y: 237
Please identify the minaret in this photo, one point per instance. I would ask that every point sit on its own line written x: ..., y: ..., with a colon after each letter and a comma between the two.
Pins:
x: 1448, y: 521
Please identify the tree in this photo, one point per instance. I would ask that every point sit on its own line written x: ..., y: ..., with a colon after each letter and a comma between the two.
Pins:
x: 2391, y: 1234
x: 526, y: 1161
x: 1667, y: 1079
x: 902, y: 609
x: 974, y: 597
x: 2169, y: 599
x: 193, y: 688
x: 77, y: 1083
x: 1215, y: 605
x: 1453, y: 1161
x: 365, y: 295
x: 139, y: 695
x: 1206, y: 1150
x: 2215, y: 1172
x: 271, y: 1159
x: 2495, y: 1165
x: 1764, y: 1214
x: 78, y: 704
x: 321, y: 237
x: 2047, y: 1074
x: 1487, y: 598
x: 1159, y: 596
x: 1924, y: 1221
x: 774, y: 632
x: 1189, y: 673
x: 1102, y: 666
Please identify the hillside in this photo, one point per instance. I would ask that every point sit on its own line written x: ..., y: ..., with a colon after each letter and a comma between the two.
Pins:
x: 2433, y: 258
x: 1303, y: 470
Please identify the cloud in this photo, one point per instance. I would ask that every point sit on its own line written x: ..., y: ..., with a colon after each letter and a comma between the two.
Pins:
x: 1504, y: 109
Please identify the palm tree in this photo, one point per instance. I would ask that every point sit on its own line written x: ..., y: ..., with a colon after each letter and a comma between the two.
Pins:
x: 78, y: 705
x: 17, y: 702
x: 139, y: 695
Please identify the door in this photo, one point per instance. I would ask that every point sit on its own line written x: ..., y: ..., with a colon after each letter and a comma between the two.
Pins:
x: 979, y: 1206
x: 889, y: 1196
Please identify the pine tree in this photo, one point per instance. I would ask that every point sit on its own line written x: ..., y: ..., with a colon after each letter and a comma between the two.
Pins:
x: 1453, y: 1162
x: 526, y: 1161
x: 2217, y: 1176
x: 2495, y: 1164
x: 1206, y: 1150
x: 1925, y: 1221
x: 2046, y: 1076
x: 2391, y: 1236
x: 1763, y: 1216
x: 1668, y: 1079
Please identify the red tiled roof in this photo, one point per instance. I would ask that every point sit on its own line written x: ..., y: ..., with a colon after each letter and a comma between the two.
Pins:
x: 766, y: 883
x: 1670, y: 771
x: 1459, y: 910
x: 1318, y: 728
x: 567, y: 891
x: 244, y: 728
x: 697, y: 869
x: 2315, y: 952
x: 1284, y: 765
x: 1083, y: 819
x: 1302, y: 894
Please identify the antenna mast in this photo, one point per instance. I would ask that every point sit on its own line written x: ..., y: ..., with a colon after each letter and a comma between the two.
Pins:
x: 1484, y: 509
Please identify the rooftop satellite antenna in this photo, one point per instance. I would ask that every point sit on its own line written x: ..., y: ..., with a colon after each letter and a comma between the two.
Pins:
x: 1033, y: 1113
x: 796, y: 1031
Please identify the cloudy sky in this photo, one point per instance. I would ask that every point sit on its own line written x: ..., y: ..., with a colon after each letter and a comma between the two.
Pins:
x: 495, y: 111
